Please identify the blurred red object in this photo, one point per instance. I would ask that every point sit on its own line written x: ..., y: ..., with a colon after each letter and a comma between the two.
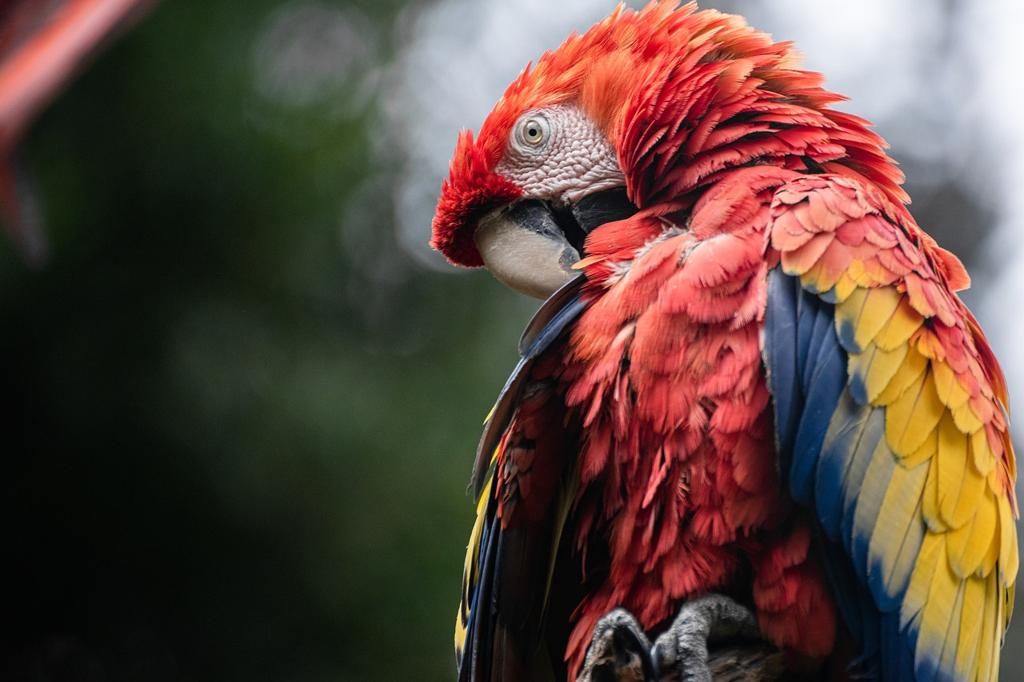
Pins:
x: 42, y: 44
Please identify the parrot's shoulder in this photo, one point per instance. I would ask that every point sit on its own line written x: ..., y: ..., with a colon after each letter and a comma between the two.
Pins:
x: 822, y: 225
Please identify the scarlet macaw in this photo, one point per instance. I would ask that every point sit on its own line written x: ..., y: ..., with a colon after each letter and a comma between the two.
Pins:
x: 752, y: 400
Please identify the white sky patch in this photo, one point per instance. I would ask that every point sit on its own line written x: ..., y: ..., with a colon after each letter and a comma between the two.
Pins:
x: 898, y: 62
x: 993, y: 42
x: 871, y: 48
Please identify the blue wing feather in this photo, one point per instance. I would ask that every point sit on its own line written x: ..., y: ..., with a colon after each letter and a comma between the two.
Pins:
x: 782, y: 359
x: 828, y: 440
x: 476, y: 660
x: 846, y: 434
x: 808, y: 390
x: 557, y: 314
x: 505, y: 599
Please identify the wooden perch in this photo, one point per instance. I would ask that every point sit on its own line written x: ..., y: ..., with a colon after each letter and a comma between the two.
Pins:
x: 753, y: 662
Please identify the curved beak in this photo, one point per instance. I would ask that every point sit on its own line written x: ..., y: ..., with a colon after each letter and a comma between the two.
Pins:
x: 524, y: 248
x: 531, y: 247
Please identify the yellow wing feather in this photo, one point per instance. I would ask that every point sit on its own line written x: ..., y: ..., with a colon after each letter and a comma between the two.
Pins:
x: 954, y: 595
x: 878, y: 367
x: 469, y: 568
x: 936, y: 503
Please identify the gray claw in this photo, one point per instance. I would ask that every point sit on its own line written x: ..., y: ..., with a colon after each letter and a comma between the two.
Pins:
x: 619, y: 651
x: 682, y: 650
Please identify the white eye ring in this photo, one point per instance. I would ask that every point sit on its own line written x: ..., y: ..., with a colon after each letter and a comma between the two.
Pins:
x: 533, y: 132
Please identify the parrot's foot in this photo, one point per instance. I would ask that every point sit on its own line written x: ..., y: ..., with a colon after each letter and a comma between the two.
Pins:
x: 619, y: 651
x: 681, y: 652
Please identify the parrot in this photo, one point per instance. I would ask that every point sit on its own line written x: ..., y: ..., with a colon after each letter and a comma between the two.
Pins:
x: 752, y: 406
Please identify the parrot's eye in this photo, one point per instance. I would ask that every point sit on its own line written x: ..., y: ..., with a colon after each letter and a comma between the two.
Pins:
x: 533, y: 131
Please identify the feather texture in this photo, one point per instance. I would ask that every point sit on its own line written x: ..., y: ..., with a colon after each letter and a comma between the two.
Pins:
x: 926, y: 533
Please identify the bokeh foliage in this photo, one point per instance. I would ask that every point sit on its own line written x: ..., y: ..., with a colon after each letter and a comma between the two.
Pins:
x: 240, y: 420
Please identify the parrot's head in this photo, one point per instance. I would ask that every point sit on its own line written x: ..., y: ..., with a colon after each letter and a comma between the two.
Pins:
x: 644, y: 108
x: 521, y: 196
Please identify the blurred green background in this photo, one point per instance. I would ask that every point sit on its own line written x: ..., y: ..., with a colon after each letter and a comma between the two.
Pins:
x: 241, y: 419
x: 241, y: 411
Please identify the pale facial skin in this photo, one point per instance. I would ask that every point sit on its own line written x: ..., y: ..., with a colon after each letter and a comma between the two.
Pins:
x: 557, y: 156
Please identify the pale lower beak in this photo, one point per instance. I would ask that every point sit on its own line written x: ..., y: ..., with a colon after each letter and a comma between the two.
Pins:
x: 525, y: 249
x: 531, y: 248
